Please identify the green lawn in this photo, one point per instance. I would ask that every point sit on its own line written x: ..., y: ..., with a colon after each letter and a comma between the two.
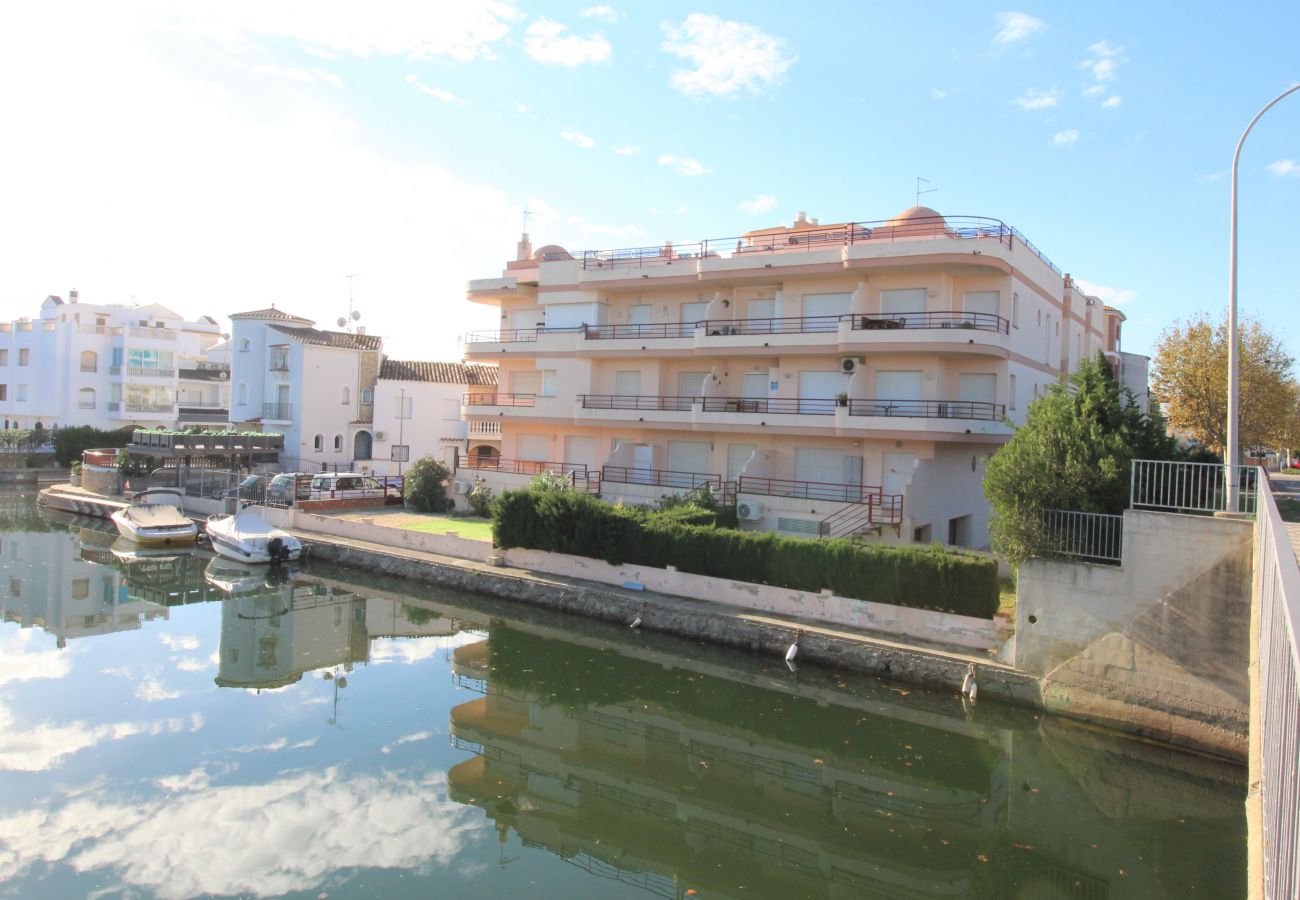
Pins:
x: 471, y: 527
x: 1289, y: 509
x: 1007, y: 596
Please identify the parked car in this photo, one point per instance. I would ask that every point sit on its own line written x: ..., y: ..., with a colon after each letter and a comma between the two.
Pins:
x: 252, y: 488
x: 353, y: 486
x: 287, y: 488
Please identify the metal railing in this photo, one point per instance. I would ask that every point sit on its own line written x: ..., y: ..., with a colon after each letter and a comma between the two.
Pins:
x: 1092, y: 537
x: 149, y: 372
x: 498, y: 399
x: 809, y: 490
x: 980, y: 410
x: 162, y: 334
x: 133, y: 406
x: 574, y: 471
x: 620, y: 401
x: 1277, y: 599
x: 92, y: 329
x: 879, y: 509
x: 1190, y: 487
x: 648, y: 331
x: 282, y: 412
x: 660, y: 477
x: 803, y: 406
x: 971, y: 321
x: 814, y: 238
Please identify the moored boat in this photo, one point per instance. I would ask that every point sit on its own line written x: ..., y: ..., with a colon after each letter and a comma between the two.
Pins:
x: 247, y: 537
x: 156, y: 518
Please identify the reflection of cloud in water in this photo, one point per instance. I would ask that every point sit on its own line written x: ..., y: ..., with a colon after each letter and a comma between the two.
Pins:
x: 24, y: 661
x: 180, y: 642
x: 414, y: 650
x: 286, y: 835
x: 194, y: 664
x: 277, y: 744
x: 151, y: 690
x: 35, y: 748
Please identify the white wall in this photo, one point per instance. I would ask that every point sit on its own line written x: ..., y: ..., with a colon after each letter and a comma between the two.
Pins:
x: 435, y: 421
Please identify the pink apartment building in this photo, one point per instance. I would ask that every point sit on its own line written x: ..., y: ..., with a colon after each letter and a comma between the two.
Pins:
x: 847, y: 379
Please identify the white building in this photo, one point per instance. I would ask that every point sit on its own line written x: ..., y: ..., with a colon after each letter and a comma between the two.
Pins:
x: 315, y: 387
x: 111, y: 366
x: 417, y: 413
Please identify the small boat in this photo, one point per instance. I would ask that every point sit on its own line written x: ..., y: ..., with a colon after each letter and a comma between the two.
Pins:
x: 247, y: 537
x: 240, y: 579
x: 156, y: 517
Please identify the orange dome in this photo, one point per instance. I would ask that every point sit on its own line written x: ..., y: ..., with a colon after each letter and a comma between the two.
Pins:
x: 916, y: 216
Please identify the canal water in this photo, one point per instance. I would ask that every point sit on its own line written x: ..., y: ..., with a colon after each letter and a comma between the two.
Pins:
x: 175, y: 726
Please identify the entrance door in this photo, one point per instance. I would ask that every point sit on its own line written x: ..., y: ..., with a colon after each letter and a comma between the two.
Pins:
x: 643, y: 462
x: 738, y: 457
x: 898, y: 468
x: 834, y: 475
x: 526, y: 382
x: 977, y: 387
x: 760, y: 309
x: 818, y: 390
x: 897, y: 305
x: 534, y: 447
x: 755, y: 386
x: 688, y: 456
x: 522, y: 319
x: 983, y: 302
x: 690, y: 384
x: 639, y: 314
x: 581, y: 451
x: 627, y: 384
x: 900, y: 393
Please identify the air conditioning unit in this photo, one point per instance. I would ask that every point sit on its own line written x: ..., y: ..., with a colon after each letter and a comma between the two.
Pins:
x: 749, y: 511
x: 381, y: 435
x: 849, y: 365
x: 461, y: 487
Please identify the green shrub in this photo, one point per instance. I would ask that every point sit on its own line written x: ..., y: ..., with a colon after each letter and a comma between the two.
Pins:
x: 423, y: 488
x: 581, y: 525
x: 69, y: 443
x: 480, y: 498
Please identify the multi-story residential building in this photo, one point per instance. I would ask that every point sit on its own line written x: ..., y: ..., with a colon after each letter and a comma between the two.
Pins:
x: 111, y: 365
x: 417, y: 413
x: 841, y: 379
x: 316, y: 387
x: 1131, y: 369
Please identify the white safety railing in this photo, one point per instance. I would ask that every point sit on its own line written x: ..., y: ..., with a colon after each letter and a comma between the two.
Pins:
x: 1093, y: 537
x: 1277, y: 593
x: 1190, y: 487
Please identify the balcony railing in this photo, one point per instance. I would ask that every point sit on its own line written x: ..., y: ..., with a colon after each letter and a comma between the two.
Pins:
x: 162, y: 334
x: 485, y: 428
x: 497, y: 399
x: 811, y: 490
x: 573, y: 471
x: 149, y: 372
x: 975, y: 228
x: 660, y: 477
x: 931, y: 319
x: 619, y: 401
x: 280, y: 412
x: 980, y: 410
x: 803, y: 406
x: 134, y: 406
x: 857, y: 518
x: 92, y: 329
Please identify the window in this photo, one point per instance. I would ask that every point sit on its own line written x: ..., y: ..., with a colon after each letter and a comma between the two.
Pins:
x: 318, y: 443
x: 80, y: 588
x: 1011, y: 392
x: 22, y: 356
x: 4, y: 357
x: 86, y: 398
x: 89, y: 361
x: 338, y: 443
x: 345, y: 395
x: 15, y: 587
x: 22, y: 393
x: 405, y: 406
x: 245, y: 345
x: 368, y: 397
x: 4, y: 392
x: 548, y: 382
x: 242, y: 395
x: 279, y: 359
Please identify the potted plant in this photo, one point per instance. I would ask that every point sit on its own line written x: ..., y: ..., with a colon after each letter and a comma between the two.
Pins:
x: 842, y: 398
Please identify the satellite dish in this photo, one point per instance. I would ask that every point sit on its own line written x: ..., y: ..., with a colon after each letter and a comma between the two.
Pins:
x: 342, y: 321
x: 356, y: 314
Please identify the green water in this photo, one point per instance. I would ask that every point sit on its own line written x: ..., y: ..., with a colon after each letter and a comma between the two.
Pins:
x: 174, y: 727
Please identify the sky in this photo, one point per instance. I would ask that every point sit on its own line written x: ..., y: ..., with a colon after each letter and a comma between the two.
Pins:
x: 219, y: 157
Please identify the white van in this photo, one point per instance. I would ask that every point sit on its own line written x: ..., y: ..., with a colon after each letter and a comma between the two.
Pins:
x: 351, y: 486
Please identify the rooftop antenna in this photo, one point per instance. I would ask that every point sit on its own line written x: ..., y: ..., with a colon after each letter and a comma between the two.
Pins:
x: 919, y: 192
x: 353, y: 315
x: 527, y: 213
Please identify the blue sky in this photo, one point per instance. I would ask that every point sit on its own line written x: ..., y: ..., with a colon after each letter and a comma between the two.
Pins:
x: 222, y: 157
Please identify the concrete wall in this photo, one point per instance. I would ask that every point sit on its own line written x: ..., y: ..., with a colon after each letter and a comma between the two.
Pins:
x: 1158, y: 645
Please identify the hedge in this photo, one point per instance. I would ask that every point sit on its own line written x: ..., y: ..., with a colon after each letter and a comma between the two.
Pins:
x: 70, y: 442
x: 578, y: 524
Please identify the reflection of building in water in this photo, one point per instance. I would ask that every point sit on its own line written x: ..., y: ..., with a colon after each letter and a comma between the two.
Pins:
x: 665, y: 779
x: 392, y: 618
x: 55, y: 580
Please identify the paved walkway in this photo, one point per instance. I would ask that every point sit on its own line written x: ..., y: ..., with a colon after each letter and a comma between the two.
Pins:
x: 1287, y: 487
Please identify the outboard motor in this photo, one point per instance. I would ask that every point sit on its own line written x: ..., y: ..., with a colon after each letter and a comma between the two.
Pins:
x: 276, y: 549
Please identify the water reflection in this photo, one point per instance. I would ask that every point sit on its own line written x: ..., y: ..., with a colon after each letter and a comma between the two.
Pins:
x: 449, y: 743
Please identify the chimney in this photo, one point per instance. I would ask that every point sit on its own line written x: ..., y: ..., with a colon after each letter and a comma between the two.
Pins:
x: 72, y: 296
x: 524, y: 249
x: 801, y: 218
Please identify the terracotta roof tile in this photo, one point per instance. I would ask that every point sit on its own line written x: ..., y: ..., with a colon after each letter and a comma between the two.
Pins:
x: 338, y: 339
x: 438, y: 372
x: 271, y: 314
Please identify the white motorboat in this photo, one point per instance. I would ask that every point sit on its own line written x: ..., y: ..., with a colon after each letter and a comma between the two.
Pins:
x: 247, y: 537
x: 156, y: 518
x: 240, y: 579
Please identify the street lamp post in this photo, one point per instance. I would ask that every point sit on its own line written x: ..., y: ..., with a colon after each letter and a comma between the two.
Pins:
x: 1230, y: 457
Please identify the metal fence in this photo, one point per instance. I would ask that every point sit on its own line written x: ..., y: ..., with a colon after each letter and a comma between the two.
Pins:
x: 1191, y: 487
x: 1277, y: 595
x: 1092, y: 537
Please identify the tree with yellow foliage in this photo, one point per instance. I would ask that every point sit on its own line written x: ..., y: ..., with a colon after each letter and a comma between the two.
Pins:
x: 1191, y: 381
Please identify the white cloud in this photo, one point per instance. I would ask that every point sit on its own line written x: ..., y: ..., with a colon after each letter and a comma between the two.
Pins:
x: 196, y: 780
x: 396, y: 650
x: 296, y: 833
x: 682, y: 165
x: 1112, y: 102
x: 1066, y: 138
x: 680, y: 210
x: 1095, y: 90
x: 547, y: 43
x: 193, y: 664
x: 1014, y: 27
x: 938, y: 94
x: 603, y: 13
x: 1108, y: 295
x: 328, y: 77
x: 319, y: 53
x: 1103, y: 60
x: 179, y: 642
x: 436, y: 92
x: 1036, y: 99
x: 577, y: 137
x: 622, y: 232
x: 464, y: 30
x: 1283, y: 168
x: 727, y: 57
x: 42, y: 746
x: 626, y: 150
x: 293, y: 74
x: 763, y: 203
x: 25, y: 661
x: 151, y: 690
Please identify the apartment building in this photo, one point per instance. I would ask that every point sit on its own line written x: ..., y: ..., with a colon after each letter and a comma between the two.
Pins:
x: 845, y: 379
x: 315, y: 387
x: 1132, y: 370
x: 110, y: 366
x: 417, y: 413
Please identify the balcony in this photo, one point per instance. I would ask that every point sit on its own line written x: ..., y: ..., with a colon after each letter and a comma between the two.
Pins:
x: 279, y: 360
x: 92, y: 329
x: 804, y: 406
x: 573, y: 471
x: 277, y: 412
x: 159, y: 334
x: 145, y: 407
x: 660, y: 478
x: 157, y: 440
x: 202, y: 413
x: 498, y: 399
x: 148, y: 372
x: 485, y: 429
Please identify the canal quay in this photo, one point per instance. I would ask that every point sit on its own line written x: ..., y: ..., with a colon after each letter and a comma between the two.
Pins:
x: 173, y: 726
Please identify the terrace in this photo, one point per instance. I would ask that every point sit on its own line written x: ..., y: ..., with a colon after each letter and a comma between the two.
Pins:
x: 805, y: 406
